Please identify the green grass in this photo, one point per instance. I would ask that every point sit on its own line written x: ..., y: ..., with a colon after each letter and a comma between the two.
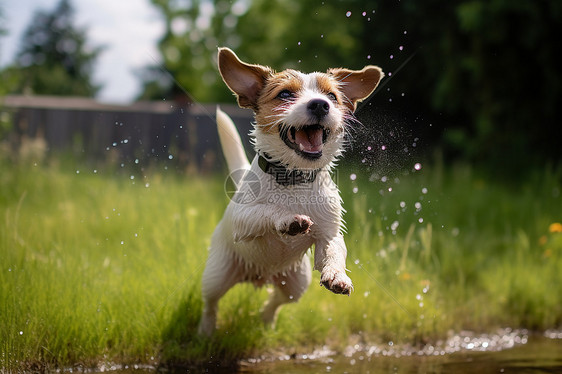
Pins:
x: 96, y: 266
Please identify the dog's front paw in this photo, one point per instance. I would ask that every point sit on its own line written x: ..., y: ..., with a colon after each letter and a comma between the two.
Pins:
x: 299, y: 224
x: 336, y: 281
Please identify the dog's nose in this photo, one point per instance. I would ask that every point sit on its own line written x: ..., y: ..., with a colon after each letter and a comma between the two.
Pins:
x: 318, y: 107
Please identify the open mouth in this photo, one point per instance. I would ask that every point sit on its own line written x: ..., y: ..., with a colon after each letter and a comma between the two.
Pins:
x: 307, y: 141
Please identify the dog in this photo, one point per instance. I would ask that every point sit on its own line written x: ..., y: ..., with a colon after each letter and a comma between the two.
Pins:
x: 285, y: 202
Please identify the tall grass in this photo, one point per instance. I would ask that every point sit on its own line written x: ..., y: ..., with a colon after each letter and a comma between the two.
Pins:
x: 98, y: 267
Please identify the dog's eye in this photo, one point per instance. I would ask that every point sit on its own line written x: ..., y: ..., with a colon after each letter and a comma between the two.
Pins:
x: 285, y: 94
x: 333, y: 96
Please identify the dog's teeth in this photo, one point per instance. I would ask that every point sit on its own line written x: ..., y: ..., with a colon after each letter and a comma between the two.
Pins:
x: 301, y: 147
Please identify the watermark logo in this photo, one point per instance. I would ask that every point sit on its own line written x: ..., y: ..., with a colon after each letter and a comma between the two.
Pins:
x: 245, y: 186
x: 242, y: 186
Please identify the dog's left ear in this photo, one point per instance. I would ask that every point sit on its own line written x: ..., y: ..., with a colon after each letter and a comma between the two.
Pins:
x: 357, y: 85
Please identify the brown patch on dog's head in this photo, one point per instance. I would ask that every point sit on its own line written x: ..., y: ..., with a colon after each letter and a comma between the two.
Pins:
x: 300, y: 118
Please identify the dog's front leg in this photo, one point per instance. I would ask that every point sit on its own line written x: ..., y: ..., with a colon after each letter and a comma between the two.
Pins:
x: 329, y: 259
x: 254, y: 221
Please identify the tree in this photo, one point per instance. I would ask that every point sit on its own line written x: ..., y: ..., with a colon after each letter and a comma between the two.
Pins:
x: 188, y: 48
x: 484, y: 74
x: 54, y: 58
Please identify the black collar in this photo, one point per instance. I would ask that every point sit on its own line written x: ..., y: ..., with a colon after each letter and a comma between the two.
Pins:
x: 284, y: 176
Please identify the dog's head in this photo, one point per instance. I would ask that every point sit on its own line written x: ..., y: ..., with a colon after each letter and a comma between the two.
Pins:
x: 300, y: 118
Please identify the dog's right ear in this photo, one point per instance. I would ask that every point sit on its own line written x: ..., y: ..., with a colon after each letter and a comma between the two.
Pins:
x: 245, y: 80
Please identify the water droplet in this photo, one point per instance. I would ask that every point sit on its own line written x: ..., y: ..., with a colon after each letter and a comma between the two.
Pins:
x: 391, y: 57
x: 147, y: 185
x: 122, y: 242
x: 353, y: 177
x: 170, y: 157
x: 418, y: 205
x: 77, y: 171
x: 383, y: 147
x: 364, y: 14
x: 21, y: 332
x: 420, y: 220
x: 348, y: 14
x: 132, y: 177
x: 136, y: 161
x: 417, y: 166
x: 402, y: 204
x: 355, y: 189
x: 424, y: 190
x: 368, y: 57
x: 394, y: 225
x: 401, y: 47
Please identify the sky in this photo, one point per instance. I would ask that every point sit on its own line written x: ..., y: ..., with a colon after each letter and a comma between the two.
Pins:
x: 128, y: 29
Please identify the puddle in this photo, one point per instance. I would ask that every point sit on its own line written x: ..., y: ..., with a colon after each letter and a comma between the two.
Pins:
x: 506, y: 351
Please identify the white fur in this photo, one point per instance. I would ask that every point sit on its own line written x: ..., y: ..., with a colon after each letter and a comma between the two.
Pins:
x: 250, y: 243
x: 296, y: 115
x: 231, y: 143
x: 268, y: 228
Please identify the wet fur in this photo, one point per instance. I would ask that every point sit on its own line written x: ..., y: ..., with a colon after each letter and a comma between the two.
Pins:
x: 267, y: 240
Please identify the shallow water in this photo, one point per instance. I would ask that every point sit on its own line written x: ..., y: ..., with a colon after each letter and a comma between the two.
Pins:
x: 505, y: 352
x: 539, y: 354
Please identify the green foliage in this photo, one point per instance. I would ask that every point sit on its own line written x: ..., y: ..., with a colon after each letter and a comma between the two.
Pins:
x: 188, y: 49
x: 54, y: 58
x: 485, y: 74
x: 106, y: 268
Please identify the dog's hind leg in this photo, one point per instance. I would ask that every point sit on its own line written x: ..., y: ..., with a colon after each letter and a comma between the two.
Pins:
x: 221, y: 274
x: 289, y: 287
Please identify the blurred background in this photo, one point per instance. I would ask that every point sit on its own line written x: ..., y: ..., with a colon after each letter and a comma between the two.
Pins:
x: 134, y: 82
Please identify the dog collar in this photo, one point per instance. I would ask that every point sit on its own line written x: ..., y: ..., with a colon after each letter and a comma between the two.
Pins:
x: 284, y: 176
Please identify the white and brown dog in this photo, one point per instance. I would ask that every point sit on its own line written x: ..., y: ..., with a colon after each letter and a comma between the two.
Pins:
x: 286, y: 201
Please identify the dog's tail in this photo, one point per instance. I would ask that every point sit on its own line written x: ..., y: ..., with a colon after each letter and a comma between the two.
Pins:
x: 231, y: 144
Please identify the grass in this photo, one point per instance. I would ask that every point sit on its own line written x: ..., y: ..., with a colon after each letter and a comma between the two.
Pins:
x: 103, y: 266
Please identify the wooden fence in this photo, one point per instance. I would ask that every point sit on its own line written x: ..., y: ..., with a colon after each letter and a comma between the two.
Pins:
x: 142, y: 132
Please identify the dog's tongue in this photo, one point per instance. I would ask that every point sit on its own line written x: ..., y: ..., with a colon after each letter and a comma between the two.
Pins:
x: 309, y: 139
